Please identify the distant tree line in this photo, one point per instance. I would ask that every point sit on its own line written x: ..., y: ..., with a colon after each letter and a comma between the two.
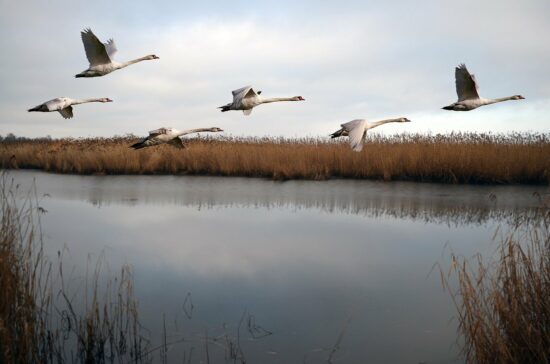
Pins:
x: 10, y: 137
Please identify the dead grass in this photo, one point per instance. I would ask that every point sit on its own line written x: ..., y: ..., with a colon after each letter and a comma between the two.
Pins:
x: 454, y: 158
x: 504, y: 304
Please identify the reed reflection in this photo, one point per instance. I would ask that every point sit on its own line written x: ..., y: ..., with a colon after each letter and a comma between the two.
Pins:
x: 445, y: 204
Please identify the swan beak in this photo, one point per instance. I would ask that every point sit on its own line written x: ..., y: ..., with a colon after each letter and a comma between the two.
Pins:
x: 521, y: 97
x: 109, y: 100
x: 407, y: 120
x: 156, y: 57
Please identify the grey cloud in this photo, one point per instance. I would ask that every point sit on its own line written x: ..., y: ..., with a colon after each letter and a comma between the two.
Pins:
x: 355, y: 60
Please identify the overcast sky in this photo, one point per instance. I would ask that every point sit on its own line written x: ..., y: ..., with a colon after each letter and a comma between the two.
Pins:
x: 349, y: 59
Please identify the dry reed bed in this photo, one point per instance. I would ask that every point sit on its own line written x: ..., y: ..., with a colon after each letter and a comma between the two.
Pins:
x: 454, y: 158
x: 40, y: 323
x: 504, y: 304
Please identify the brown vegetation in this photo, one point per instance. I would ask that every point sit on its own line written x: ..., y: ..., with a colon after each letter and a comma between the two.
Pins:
x: 455, y: 158
x: 42, y: 323
x: 504, y: 304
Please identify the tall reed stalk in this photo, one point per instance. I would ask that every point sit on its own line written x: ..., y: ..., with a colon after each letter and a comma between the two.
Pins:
x: 41, y: 320
x: 503, y: 304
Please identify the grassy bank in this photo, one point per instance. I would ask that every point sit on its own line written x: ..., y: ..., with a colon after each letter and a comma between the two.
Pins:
x: 455, y: 158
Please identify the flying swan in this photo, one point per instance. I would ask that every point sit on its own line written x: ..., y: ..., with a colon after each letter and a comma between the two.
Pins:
x: 170, y: 136
x: 100, y: 55
x: 467, y: 91
x: 65, y: 105
x: 357, y: 130
x: 246, y: 99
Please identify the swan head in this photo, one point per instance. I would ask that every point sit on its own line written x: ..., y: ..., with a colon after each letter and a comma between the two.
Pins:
x: 404, y: 120
x: 105, y: 99
x: 216, y: 129
x: 152, y: 56
x: 518, y: 97
x: 298, y: 98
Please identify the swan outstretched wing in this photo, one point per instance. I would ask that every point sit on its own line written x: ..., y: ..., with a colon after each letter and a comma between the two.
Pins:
x: 177, y: 142
x: 54, y: 104
x: 67, y: 112
x: 111, y: 48
x: 95, y: 50
x: 466, y: 85
x: 356, y: 133
x: 243, y: 93
x: 250, y: 93
x: 240, y: 90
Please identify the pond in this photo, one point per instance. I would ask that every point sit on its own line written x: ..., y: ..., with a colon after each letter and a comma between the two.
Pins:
x: 298, y: 271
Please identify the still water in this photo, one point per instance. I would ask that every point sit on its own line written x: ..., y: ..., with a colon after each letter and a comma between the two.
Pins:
x: 334, y: 271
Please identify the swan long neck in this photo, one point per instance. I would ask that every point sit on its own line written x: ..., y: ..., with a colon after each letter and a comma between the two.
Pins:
x: 494, y: 101
x: 126, y: 64
x: 267, y: 100
x: 191, y: 131
x: 374, y: 124
x: 83, y: 101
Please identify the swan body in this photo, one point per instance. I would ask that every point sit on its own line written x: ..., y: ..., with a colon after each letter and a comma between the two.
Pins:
x: 64, y: 105
x: 100, y: 55
x: 356, y: 130
x: 246, y: 99
x: 467, y: 91
x: 170, y: 136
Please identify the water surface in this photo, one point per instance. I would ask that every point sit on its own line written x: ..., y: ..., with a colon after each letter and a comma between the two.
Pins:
x: 334, y: 270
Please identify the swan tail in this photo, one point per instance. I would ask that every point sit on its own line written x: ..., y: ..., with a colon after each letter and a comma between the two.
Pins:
x: 225, y: 107
x: 337, y: 133
x: 39, y: 108
x: 140, y: 144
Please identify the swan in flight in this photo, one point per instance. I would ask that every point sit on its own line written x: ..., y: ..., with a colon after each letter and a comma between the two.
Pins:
x: 467, y: 91
x: 170, y: 136
x: 65, y: 105
x: 246, y: 99
x: 357, y: 130
x: 100, y: 55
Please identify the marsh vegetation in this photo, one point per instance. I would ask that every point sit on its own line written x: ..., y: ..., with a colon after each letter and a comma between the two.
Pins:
x: 41, y: 321
x: 503, y: 303
x: 454, y: 158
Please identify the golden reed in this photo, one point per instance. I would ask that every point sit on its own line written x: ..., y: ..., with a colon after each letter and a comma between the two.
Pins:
x: 43, y: 318
x: 454, y: 158
x: 503, y: 303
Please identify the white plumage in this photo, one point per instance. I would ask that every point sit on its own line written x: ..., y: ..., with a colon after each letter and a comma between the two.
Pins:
x: 356, y: 130
x: 170, y: 136
x: 100, y: 55
x: 467, y: 90
x: 65, y: 105
x: 246, y: 99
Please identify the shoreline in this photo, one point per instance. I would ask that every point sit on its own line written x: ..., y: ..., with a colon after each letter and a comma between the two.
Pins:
x: 274, y: 179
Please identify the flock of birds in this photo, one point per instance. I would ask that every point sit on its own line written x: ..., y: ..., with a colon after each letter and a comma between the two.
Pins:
x: 100, y: 55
